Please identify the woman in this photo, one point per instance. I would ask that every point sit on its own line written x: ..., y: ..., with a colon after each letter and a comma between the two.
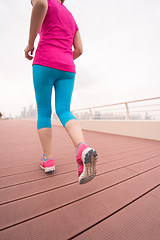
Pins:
x: 53, y: 65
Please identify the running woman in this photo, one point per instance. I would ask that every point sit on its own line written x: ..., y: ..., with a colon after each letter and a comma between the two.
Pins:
x: 53, y: 65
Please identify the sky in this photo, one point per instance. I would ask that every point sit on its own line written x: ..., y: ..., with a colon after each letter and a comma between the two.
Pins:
x: 120, y: 60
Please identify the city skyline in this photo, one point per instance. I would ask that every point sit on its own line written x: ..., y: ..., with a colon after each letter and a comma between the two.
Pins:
x: 141, y: 110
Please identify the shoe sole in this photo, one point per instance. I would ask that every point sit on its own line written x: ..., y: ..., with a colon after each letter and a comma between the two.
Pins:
x: 89, y: 158
x: 49, y: 169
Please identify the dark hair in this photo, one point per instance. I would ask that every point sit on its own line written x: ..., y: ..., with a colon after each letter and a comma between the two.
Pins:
x: 61, y: 1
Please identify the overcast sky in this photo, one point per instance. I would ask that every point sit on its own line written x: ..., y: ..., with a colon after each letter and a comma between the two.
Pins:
x: 120, y: 61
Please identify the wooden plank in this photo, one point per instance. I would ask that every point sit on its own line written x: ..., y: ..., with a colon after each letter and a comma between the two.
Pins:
x: 23, y: 138
x: 110, y: 198
x: 72, y: 219
x: 35, y: 175
x: 56, y: 181
x: 139, y: 220
x: 110, y: 162
x: 61, y: 212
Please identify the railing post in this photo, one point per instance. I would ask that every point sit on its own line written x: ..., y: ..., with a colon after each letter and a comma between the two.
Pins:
x: 91, y: 115
x: 127, y: 111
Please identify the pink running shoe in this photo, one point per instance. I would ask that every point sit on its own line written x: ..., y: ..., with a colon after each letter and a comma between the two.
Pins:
x: 86, y: 159
x: 48, y: 165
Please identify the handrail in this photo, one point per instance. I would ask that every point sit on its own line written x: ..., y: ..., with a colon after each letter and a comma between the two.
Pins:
x: 116, y: 104
x: 127, y: 116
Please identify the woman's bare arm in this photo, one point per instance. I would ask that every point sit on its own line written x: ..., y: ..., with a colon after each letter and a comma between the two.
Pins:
x: 77, y: 44
x: 39, y: 11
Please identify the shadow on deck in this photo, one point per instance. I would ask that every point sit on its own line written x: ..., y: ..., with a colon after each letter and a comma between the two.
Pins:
x: 122, y: 202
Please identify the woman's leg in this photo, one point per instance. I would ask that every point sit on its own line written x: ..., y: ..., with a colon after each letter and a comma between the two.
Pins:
x: 63, y: 94
x: 45, y: 136
x: 86, y: 156
x: 43, y: 90
x: 74, y: 130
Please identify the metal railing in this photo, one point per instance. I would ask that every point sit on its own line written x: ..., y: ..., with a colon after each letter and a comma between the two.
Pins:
x: 132, y: 110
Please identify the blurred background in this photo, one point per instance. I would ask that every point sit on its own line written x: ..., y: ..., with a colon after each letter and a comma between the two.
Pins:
x: 120, y: 60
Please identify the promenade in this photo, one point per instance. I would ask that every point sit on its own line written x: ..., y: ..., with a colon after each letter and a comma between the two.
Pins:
x: 121, y: 203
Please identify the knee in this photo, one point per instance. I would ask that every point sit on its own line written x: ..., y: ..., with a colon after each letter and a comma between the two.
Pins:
x: 44, y: 112
x: 44, y: 117
x: 61, y: 110
x: 64, y: 115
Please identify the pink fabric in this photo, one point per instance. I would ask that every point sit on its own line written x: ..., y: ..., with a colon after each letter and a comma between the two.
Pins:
x: 48, y: 163
x: 56, y: 38
x: 80, y: 170
x: 81, y: 148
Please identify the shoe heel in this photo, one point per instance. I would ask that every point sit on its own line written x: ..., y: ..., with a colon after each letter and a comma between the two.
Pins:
x: 88, y: 179
x: 51, y: 169
x: 89, y: 157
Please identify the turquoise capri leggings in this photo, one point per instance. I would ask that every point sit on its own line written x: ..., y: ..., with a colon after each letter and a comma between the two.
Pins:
x: 44, y: 78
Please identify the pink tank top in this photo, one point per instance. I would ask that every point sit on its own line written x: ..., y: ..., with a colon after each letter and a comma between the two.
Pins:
x: 56, y: 38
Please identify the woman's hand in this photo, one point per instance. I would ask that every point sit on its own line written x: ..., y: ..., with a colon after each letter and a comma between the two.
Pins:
x: 77, y: 44
x: 29, y: 51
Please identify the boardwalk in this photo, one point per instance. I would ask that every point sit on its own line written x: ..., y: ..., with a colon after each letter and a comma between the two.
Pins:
x: 121, y: 203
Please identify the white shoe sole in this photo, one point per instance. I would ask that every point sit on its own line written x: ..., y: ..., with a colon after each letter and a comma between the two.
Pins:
x: 49, y: 169
x: 89, y: 158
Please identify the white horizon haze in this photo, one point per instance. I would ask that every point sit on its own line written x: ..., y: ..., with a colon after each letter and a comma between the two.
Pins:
x: 120, y: 60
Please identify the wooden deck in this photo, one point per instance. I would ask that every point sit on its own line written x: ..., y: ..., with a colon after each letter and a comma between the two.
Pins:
x: 121, y: 203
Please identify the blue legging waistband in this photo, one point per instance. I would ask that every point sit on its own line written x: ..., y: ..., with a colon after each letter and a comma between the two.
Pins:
x: 44, y: 78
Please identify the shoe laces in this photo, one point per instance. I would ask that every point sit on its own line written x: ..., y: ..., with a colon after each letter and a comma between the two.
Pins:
x: 43, y: 159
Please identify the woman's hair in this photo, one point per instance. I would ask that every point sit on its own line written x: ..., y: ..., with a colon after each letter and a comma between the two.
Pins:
x: 61, y: 2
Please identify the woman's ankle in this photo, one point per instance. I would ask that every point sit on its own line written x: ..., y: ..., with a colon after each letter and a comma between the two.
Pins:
x: 78, y: 147
x: 49, y: 156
